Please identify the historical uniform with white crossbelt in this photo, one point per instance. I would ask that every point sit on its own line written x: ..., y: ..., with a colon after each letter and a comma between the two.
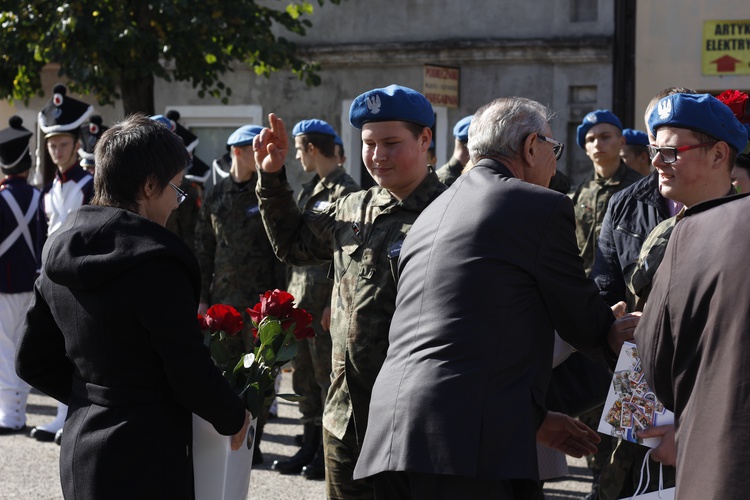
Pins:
x: 21, y: 226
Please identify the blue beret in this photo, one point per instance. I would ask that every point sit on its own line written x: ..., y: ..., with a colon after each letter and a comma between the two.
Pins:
x: 244, y: 135
x: 393, y: 103
x: 461, y: 130
x: 164, y: 121
x: 702, y: 113
x: 314, y: 126
x: 595, y: 118
x: 337, y: 140
x: 635, y: 137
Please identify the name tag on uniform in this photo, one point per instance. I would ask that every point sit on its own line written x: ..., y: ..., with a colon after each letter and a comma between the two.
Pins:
x: 321, y: 205
x: 395, y: 250
x: 250, y: 211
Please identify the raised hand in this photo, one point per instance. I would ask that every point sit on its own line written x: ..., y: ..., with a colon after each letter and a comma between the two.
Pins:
x: 271, y: 145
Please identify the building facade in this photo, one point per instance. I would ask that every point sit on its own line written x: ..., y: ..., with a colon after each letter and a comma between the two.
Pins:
x: 572, y: 55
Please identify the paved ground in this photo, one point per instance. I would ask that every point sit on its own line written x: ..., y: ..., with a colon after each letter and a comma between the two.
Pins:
x: 29, y: 469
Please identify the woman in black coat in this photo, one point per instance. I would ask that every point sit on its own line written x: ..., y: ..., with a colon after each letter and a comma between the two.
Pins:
x: 112, y: 329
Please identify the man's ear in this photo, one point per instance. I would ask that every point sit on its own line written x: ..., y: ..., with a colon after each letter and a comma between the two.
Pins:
x: 719, y: 155
x: 529, y: 151
x: 425, y: 139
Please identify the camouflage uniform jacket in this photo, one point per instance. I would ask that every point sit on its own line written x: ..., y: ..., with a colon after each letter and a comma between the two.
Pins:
x: 590, y: 202
x: 449, y: 172
x: 311, y: 285
x: 652, y: 252
x: 236, y: 259
x: 361, y: 234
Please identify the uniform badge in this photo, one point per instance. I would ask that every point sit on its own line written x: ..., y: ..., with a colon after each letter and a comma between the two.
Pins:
x: 395, y: 250
x: 665, y: 108
x: 321, y: 205
x: 373, y: 104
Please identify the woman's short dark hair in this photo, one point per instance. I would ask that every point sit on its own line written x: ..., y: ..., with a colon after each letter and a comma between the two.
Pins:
x: 130, y: 153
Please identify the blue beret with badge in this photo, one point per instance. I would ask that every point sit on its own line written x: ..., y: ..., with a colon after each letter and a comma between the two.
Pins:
x: 392, y: 103
x: 461, y: 130
x: 595, y: 118
x: 244, y: 135
x: 313, y: 126
x: 702, y: 113
x: 635, y: 137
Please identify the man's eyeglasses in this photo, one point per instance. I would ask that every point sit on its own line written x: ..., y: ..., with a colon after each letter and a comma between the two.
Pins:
x: 557, y: 146
x: 669, y: 155
x: 181, y: 195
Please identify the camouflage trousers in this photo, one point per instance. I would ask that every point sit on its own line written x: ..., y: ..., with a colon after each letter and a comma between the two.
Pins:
x: 312, y: 374
x: 341, y: 456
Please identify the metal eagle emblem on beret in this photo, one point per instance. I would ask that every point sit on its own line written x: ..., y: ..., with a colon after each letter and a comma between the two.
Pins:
x: 373, y: 104
x: 591, y: 118
x: 664, y: 108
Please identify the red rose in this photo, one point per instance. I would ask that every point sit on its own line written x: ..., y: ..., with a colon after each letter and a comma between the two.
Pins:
x: 225, y: 318
x: 255, y: 313
x: 737, y: 102
x: 302, y: 321
x: 277, y: 303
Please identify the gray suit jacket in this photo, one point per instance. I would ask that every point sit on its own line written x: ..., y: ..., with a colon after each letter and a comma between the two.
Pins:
x: 487, y: 273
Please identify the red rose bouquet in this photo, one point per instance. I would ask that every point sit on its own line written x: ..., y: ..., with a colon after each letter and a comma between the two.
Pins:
x: 278, y: 326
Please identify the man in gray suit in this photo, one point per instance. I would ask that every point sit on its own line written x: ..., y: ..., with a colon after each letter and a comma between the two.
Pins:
x: 488, y: 272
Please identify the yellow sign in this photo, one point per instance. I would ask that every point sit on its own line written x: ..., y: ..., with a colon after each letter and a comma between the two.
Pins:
x: 726, y: 47
x: 440, y: 85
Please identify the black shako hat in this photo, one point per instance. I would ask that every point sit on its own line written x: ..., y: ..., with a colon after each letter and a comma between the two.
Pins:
x: 14, y: 147
x: 90, y: 133
x: 189, y: 138
x: 63, y: 114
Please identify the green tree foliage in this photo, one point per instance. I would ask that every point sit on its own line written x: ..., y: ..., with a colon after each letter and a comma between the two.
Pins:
x: 115, y: 48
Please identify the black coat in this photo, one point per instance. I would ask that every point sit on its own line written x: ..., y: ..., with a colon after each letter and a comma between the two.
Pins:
x: 695, y: 349
x: 112, y: 332
x: 487, y: 273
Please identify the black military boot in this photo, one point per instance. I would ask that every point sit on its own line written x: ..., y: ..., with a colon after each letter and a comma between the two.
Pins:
x: 316, y: 469
x: 312, y: 440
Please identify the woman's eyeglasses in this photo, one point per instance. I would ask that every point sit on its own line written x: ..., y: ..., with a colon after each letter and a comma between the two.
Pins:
x: 181, y: 195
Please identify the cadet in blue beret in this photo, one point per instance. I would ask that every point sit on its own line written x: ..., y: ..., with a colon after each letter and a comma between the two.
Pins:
x: 600, y: 135
x: 697, y: 139
x: 236, y: 260
x: 449, y: 172
x: 635, y: 153
x: 315, y: 146
x: 361, y: 235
